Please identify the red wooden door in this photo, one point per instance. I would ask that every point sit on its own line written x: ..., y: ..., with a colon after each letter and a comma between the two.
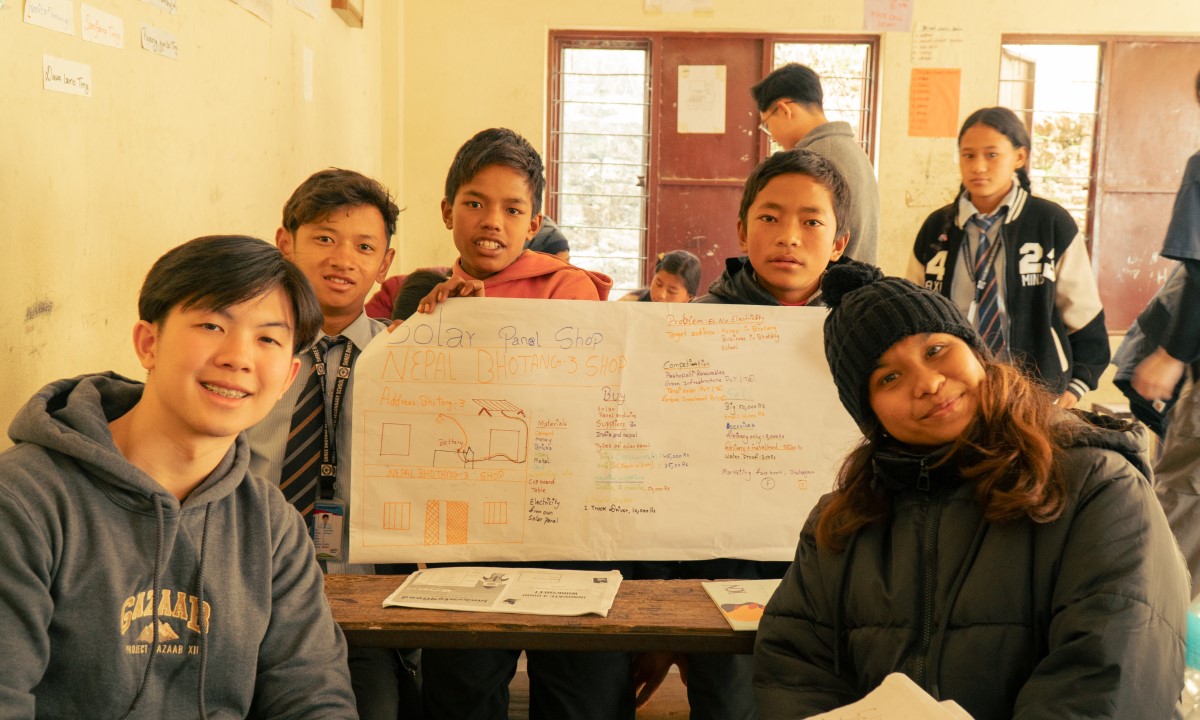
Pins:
x: 1151, y: 125
x: 696, y: 179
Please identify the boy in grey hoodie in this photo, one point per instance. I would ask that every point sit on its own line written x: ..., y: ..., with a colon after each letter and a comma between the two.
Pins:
x: 147, y: 574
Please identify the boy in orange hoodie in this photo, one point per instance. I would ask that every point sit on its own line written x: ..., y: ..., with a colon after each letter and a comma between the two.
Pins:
x: 493, y: 206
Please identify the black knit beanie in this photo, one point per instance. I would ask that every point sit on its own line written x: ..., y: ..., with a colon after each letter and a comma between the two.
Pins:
x: 869, y: 313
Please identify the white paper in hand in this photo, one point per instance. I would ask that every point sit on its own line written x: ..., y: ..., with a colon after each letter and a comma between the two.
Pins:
x: 897, y: 698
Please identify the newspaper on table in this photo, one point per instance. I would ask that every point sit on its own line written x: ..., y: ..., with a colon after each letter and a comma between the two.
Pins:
x: 897, y: 698
x: 527, y: 591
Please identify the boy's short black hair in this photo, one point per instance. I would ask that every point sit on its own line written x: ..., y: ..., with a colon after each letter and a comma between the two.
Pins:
x: 218, y: 271
x: 417, y: 285
x: 793, y: 81
x: 327, y: 190
x: 497, y: 146
x: 800, y: 162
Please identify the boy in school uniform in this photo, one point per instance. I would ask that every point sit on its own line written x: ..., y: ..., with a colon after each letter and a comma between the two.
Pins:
x: 337, y: 229
x: 492, y: 207
x: 791, y: 228
x: 148, y: 574
x: 791, y: 107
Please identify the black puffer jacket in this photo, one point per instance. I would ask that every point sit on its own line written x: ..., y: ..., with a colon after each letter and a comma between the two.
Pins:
x: 1080, y: 617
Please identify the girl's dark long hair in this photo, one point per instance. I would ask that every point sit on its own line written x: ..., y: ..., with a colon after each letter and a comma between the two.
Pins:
x: 1012, y: 448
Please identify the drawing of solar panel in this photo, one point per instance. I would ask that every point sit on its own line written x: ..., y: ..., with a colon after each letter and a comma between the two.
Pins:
x: 487, y: 407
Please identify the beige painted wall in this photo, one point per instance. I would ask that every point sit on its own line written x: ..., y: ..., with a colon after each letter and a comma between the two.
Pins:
x: 479, y: 63
x: 94, y: 189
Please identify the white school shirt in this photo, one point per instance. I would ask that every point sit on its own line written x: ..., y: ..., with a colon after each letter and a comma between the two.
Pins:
x: 268, y: 438
x: 962, y: 289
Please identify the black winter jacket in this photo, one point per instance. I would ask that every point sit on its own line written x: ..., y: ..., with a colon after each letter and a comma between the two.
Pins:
x: 1083, y: 617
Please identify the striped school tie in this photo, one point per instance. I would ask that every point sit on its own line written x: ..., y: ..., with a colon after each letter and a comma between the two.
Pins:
x: 301, y: 473
x: 987, y: 294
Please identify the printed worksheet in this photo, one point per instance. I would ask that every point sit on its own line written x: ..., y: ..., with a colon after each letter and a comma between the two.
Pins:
x: 528, y: 591
x: 504, y: 430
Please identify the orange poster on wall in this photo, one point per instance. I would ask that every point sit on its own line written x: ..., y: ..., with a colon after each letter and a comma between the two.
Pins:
x: 933, y: 102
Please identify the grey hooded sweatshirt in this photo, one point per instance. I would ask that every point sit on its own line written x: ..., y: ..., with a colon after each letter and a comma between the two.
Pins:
x: 117, y: 600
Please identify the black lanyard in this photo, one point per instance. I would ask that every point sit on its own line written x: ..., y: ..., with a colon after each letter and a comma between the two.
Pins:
x: 329, y: 436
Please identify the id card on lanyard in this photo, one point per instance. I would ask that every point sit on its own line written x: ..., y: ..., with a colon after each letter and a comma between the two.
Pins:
x: 329, y: 513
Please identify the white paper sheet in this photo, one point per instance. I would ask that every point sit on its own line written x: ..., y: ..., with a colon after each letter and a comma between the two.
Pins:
x: 499, y: 429
x: 701, y: 99
x: 101, y: 27
x: 525, y: 591
x: 57, y: 15
x: 897, y: 698
x: 66, y: 76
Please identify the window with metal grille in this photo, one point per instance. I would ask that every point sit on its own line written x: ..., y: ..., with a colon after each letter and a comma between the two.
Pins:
x: 1054, y: 89
x: 600, y: 137
x: 847, y: 81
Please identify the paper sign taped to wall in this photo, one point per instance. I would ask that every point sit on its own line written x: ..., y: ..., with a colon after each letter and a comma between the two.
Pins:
x: 160, y: 42
x: 57, y: 15
x: 933, y: 102
x: 503, y: 430
x: 167, y: 6
x: 66, y: 76
x: 701, y: 99
x: 100, y: 27
x: 887, y: 15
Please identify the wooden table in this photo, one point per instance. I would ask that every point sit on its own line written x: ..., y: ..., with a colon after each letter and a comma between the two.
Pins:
x: 669, y: 615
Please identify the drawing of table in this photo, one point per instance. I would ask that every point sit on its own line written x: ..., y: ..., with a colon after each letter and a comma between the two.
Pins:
x: 647, y: 615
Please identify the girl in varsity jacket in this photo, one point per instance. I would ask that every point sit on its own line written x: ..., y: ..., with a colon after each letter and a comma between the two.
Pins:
x: 1014, y: 264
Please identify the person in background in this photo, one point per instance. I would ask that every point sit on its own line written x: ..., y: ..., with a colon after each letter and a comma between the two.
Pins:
x: 147, y: 572
x: 1001, y: 551
x: 337, y: 228
x: 791, y: 109
x: 1156, y: 377
x: 417, y: 285
x: 676, y: 277
x: 550, y: 240
x: 1014, y: 264
x: 381, y: 304
x: 790, y: 225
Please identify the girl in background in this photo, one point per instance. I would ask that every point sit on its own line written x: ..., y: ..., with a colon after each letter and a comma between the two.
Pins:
x: 1015, y: 264
x: 676, y: 277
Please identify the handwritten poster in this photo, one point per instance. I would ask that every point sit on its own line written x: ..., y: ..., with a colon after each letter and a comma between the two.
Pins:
x: 160, y: 42
x: 701, y: 99
x: 887, y: 15
x: 101, y: 27
x: 937, y: 46
x: 933, y: 102
x: 57, y: 15
x: 497, y: 429
x: 66, y: 76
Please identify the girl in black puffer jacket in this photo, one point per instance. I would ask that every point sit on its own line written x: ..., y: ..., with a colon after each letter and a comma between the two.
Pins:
x: 1000, y: 551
